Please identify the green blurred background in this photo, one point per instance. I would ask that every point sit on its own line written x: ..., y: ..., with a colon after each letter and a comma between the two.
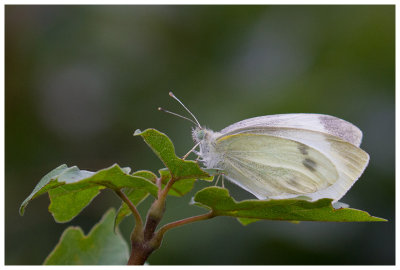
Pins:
x: 81, y: 79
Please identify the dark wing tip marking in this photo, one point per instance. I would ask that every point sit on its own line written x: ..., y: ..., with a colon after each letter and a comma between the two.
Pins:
x: 342, y: 129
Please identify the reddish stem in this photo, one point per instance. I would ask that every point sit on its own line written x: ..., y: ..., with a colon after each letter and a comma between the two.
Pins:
x: 135, y: 212
x: 145, y: 241
x: 185, y: 221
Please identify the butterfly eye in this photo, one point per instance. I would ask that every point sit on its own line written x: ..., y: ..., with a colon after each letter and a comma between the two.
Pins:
x: 200, y: 134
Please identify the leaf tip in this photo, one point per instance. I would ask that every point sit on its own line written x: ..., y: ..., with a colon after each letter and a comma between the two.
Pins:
x: 22, y: 210
x: 192, y: 201
x: 381, y: 219
x: 23, y: 206
x: 137, y: 132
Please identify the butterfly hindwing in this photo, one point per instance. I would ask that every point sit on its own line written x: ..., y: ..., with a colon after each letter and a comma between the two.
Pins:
x: 270, y: 166
x: 287, y: 162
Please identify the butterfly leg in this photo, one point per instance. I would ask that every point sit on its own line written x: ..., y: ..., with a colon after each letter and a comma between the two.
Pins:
x: 191, y: 150
x: 223, y: 181
x: 216, y: 182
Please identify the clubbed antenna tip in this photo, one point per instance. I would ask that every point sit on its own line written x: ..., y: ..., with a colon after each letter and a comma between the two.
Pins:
x: 174, y: 97
x: 166, y: 111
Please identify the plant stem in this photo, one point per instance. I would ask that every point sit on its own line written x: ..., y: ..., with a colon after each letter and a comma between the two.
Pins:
x: 145, y: 241
x: 141, y: 250
x: 139, y: 254
x: 132, y: 207
x: 156, y: 210
x: 159, y: 185
x: 178, y: 223
x: 164, y: 192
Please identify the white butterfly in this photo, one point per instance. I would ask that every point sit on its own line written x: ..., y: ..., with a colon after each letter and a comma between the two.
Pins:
x: 286, y: 155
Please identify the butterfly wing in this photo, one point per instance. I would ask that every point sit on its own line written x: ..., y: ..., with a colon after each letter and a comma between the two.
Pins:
x: 278, y: 161
x: 307, y: 121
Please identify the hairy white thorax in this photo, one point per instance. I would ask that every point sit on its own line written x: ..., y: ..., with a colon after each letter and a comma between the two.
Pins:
x: 207, y: 154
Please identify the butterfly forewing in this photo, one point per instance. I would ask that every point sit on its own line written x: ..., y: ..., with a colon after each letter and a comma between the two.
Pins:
x: 314, y: 122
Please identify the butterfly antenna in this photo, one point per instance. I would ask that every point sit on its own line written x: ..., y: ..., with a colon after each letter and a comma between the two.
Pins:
x: 163, y: 110
x: 174, y: 97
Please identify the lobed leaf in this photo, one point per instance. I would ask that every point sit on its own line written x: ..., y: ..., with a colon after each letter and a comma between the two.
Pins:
x: 71, y: 189
x: 164, y: 149
x: 100, y: 247
x: 248, y: 211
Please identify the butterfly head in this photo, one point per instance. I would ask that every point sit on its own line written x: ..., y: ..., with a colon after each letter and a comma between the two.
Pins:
x: 198, y: 134
x: 201, y: 134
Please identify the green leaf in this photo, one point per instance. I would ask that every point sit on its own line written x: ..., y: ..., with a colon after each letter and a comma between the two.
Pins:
x: 100, y: 247
x: 67, y: 201
x: 218, y: 199
x: 71, y: 189
x: 164, y: 149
